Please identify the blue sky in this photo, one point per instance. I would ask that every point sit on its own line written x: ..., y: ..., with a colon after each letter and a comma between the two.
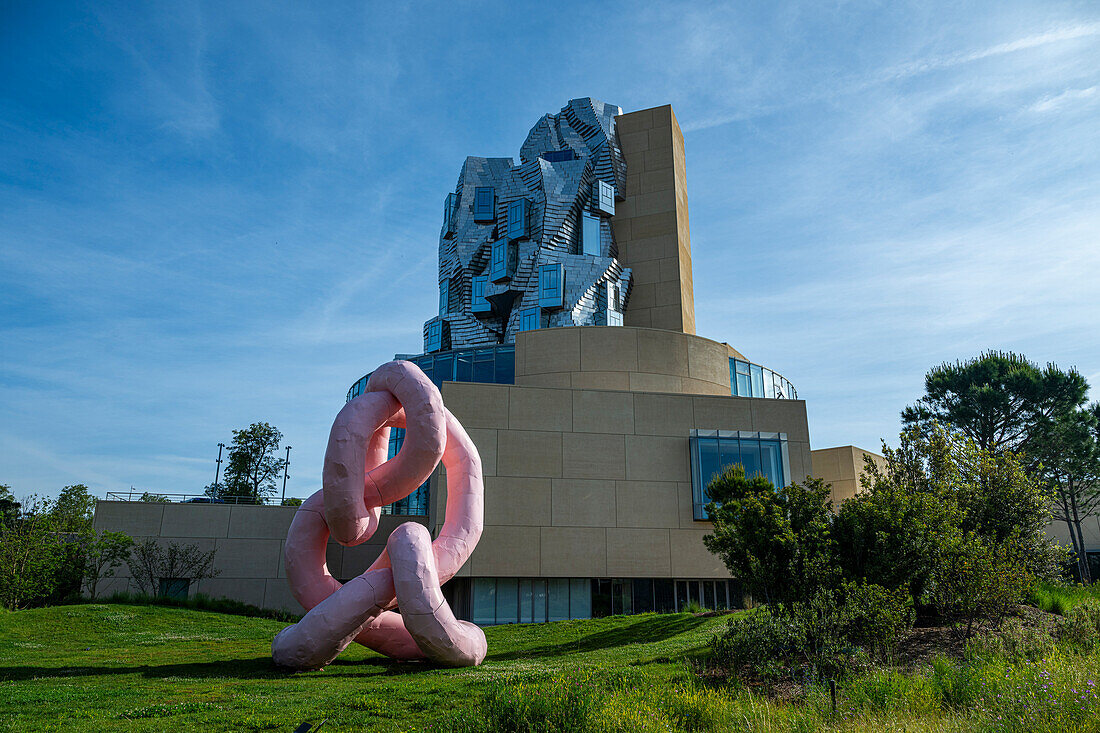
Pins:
x: 218, y: 213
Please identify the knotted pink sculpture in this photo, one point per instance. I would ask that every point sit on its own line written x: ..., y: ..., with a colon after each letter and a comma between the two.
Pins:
x: 357, y: 482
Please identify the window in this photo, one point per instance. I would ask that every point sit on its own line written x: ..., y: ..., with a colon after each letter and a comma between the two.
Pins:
x: 529, y: 319
x: 502, y: 265
x: 450, y: 215
x: 603, y: 196
x: 757, y: 380
x: 173, y: 587
x: 444, y: 296
x: 552, y: 285
x: 712, y: 451
x: 590, y: 235
x: 739, y: 378
x: 518, y: 216
x: 478, y: 302
x: 485, y: 204
x: 437, y: 336
x: 416, y: 503
x: 752, y: 380
x: 558, y: 156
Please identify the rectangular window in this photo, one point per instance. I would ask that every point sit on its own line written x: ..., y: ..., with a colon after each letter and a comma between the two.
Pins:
x: 416, y: 503
x: 590, y: 235
x: 444, y: 297
x: 433, y: 342
x: 551, y: 285
x: 502, y: 263
x: 557, y: 156
x: 712, y: 451
x: 478, y: 302
x: 485, y: 204
x: 558, y: 599
x: 173, y: 587
x: 529, y: 319
x: 484, y: 601
x: 744, y: 382
x: 507, y: 600
x: 450, y: 215
x: 518, y: 216
x: 664, y: 596
x: 580, y: 598
x: 643, y: 596
x: 757, y: 380
x: 601, y: 598
x: 603, y: 196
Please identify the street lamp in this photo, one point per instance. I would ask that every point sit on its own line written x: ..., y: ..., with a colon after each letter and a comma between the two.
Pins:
x: 218, y: 470
x: 286, y: 464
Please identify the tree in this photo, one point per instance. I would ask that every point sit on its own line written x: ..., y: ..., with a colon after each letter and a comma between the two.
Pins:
x: 1070, y: 456
x: 9, y: 507
x: 154, y: 498
x: 103, y: 554
x: 36, y: 561
x: 152, y: 561
x: 73, y: 509
x: 252, y: 466
x: 999, y: 400
x: 777, y: 541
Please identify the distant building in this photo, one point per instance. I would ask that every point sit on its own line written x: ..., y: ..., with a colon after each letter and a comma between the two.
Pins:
x: 565, y: 344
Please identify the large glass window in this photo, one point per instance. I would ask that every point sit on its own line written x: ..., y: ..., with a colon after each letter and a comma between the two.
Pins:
x: 450, y: 214
x: 712, y: 451
x: 529, y: 319
x: 416, y: 503
x: 590, y: 235
x: 753, y: 380
x: 558, y: 601
x: 437, y: 337
x: 558, y: 156
x: 483, y: 601
x: 485, y: 204
x: 494, y: 364
x: 551, y: 285
x: 518, y: 216
x: 502, y: 261
x: 478, y: 302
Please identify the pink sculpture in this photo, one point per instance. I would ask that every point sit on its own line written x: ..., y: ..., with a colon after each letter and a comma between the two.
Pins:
x: 357, y: 482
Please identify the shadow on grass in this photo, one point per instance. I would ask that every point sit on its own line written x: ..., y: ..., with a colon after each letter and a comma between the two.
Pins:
x: 244, y: 669
x: 648, y: 630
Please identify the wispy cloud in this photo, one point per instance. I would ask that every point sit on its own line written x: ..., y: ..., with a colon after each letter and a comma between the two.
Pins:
x: 1068, y: 98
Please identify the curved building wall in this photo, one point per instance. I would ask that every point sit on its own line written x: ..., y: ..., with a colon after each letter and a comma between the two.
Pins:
x: 630, y: 359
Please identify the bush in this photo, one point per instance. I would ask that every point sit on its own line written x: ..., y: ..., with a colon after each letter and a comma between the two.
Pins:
x: 875, y: 618
x: 1081, y: 629
x: 979, y: 580
x: 1013, y: 641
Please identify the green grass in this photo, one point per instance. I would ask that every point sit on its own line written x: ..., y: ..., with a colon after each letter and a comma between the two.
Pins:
x: 1060, y: 599
x: 120, y: 667
x: 149, y: 668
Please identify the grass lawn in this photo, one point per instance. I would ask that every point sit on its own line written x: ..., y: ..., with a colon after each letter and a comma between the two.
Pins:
x: 121, y: 667
x: 139, y: 667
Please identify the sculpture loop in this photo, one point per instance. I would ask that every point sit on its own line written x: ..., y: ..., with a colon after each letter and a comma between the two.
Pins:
x: 357, y: 482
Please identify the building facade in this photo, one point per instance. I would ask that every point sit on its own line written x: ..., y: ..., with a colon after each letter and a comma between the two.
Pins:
x: 565, y: 344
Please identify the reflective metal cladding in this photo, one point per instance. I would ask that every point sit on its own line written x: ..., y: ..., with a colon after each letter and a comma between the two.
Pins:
x: 530, y: 245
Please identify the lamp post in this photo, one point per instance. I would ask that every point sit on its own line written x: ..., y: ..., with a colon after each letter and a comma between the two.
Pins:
x: 218, y: 470
x: 286, y: 465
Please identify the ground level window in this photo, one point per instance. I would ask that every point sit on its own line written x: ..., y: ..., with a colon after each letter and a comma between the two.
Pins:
x: 174, y: 587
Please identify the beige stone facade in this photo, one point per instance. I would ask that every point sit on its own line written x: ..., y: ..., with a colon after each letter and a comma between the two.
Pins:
x: 587, y: 455
x: 841, y: 468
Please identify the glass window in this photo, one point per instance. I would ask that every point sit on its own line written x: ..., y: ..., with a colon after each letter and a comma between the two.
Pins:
x: 744, y: 385
x: 713, y: 451
x: 502, y: 263
x: 173, y: 587
x: 478, y: 302
x: 601, y: 598
x: 557, y: 156
x: 590, y: 235
x: 603, y: 197
x: 580, y: 598
x: 450, y: 213
x: 708, y: 595
x: 664, y: 596
x: 558, y: 599
x: 643, y: 595
x: 621, y: 597
x: 444, y: 297
x: 551, y: 285
x: 538, y: 600
x: 681, y: 595
x: 485, y: 204
x: 757, y: 380
x: 505, y: 358
x: 507, y: 600
x: 529, y: 319
x: 525, y: 607
x: 518, y: 215
x: 483, y: 600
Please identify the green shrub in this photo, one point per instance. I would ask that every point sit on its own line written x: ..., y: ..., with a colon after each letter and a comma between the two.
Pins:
x: 875, y: 618
x: 1013, y: 641
x: 958, y: 685
x: 199, y: 602
x: 760, y: 642
x: 1081, y: 629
